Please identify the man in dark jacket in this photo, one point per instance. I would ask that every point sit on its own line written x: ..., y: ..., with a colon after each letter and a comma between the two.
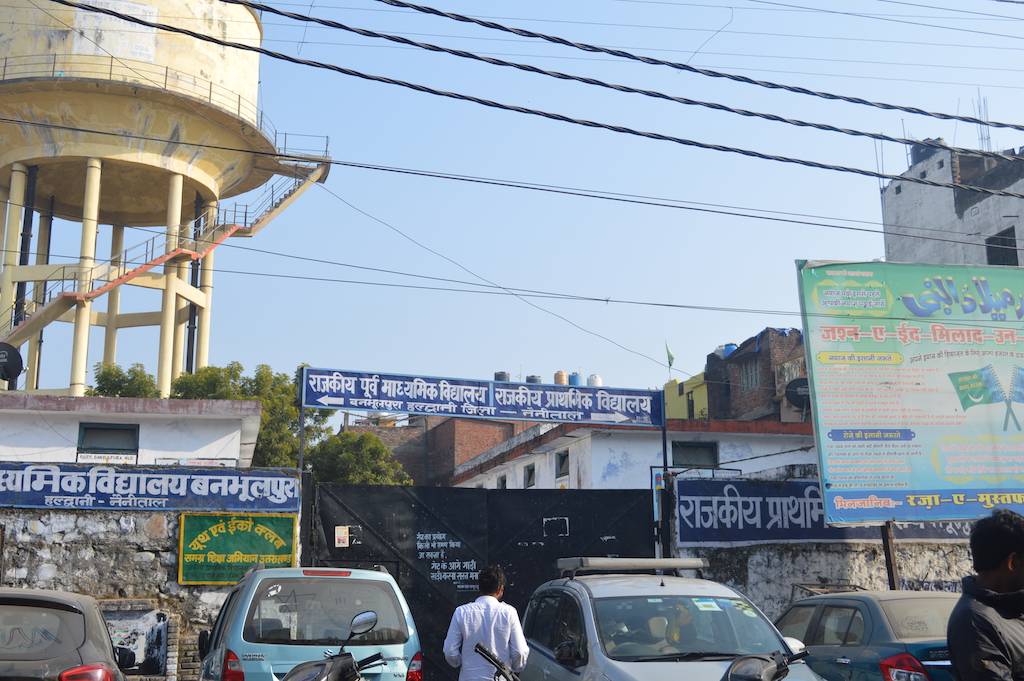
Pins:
x: 986, y: 629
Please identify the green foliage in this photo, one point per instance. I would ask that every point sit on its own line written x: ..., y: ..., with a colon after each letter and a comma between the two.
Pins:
x: 113, y: 381
x: 356, y: 459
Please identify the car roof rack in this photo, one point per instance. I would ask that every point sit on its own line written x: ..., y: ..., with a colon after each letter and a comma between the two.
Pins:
x: 571, y: 566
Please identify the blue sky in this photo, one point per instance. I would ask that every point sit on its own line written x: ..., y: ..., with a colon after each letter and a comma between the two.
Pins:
x: 582, y: 246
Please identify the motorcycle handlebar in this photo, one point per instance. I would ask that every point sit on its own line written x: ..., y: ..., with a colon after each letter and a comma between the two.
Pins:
x: 370, y: 661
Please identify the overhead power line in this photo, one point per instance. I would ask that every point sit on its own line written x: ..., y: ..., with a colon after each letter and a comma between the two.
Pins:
x: 537, y: 112
x: 950, y: 9
x: 888, y: 19
x: 330, y: 23
x: 586, y: 47
x: 604, y: 195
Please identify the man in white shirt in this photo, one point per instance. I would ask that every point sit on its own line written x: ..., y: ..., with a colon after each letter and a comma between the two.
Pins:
x: 488, y: 621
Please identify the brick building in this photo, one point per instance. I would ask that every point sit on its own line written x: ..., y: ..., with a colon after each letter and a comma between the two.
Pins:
x: 431, y: 448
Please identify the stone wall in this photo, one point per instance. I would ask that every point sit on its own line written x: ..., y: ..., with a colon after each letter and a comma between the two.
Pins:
x: 110, y: 556
x: 773, y: 575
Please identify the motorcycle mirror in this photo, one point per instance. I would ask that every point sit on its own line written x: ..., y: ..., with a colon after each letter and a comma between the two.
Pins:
x: 758, y: 668
x: 363, y: 623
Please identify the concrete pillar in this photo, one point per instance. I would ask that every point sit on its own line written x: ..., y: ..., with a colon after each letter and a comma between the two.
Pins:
x: 19, y: 176
x: 114, y: 297
x: 38, y: 290
x: 87, y: 260
x: 170, y: 298
x: 206, y: 285
x: 4, y: 195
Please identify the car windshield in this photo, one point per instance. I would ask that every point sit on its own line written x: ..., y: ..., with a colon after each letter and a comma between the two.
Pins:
x: 303, y: 611
x: 38, y: 632
x: 912, y: 618
x: 649, y: 628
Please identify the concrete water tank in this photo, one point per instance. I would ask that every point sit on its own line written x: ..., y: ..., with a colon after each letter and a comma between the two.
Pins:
x: 561, y: 377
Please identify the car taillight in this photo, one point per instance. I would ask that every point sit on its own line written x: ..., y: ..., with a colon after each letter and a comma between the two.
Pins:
x: 232, y: 668
x: 415, y: 672
x: 903, y: 667
x: 89, y: 672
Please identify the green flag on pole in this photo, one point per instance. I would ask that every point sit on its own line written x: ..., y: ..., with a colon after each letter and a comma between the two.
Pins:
x: 671, y: 357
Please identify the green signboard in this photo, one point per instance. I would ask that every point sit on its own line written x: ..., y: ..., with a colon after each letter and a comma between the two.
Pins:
x: 917, y: 372
x: 218, y: 548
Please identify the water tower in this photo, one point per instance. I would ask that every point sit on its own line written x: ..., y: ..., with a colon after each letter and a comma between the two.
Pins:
x: 183, y: 134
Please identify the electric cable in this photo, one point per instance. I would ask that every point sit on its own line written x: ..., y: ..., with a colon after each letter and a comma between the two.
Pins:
x: 586, y: 47
x: 430, y: 47
x: 539, y: 113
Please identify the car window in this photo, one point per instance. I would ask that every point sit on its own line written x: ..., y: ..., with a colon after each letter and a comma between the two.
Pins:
x: 38, y: 631
x: 795, y: 622
x: 312, y: 611
x: 918, y: 617
x: 855, y: 634
x: 540, y: 620
x: 641, y: 628
x: 221, y: 621
x: 569, y: 624
x: 833, y: 625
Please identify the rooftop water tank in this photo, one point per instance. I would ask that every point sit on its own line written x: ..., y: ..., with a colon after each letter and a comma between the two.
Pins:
x: 501, y: 376
x: 561, y: 378
x: 575, y: 378
x: 595, y: 381
x: 533, y: 378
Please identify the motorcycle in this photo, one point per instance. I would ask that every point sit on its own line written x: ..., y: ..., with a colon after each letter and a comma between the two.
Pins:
x: 342, y: 666
x: 502, y: 672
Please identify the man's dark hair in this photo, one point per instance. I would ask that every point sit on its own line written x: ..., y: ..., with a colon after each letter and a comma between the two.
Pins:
x: 994, y: 538
x: 492, y: 580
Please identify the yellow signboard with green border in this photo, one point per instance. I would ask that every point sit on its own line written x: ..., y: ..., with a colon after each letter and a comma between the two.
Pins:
x: 219, y: 548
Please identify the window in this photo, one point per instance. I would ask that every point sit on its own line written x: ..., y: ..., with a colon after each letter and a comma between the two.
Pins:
x: 569, y: 629
x: 855, y: 635
x: 529, y: 476
x: 502, y: 482
x: 108, y: 438
x: 562, y: 464
x: 310, y: 611
x: 690, y: 407
x: 919, y: 617
x: 795, y: 622
x: 942, y: 164
x: 32, y: 632
x: 540, y: 618
x: 833, y: 626
x: 1001, y: 249
x: 899, y: 189
x: 750, y: 374
x: 695, y: 454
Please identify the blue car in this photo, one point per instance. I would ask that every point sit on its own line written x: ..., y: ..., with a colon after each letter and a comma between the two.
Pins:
x: 874, y: 635
x: 276, y: 619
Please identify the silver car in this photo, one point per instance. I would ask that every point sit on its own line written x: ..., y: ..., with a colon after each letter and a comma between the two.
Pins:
x: 644, y: 627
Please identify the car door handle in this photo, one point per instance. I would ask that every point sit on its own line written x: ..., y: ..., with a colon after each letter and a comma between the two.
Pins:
x: 842, y: 660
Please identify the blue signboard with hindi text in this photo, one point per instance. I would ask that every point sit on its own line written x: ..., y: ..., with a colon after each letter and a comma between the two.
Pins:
x: 732, y: 511
x: 63, y: 486
x: 337, y: 389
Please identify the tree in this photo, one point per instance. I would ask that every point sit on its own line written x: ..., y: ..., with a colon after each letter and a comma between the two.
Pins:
x: 113, y: 381
x: 356, y: 459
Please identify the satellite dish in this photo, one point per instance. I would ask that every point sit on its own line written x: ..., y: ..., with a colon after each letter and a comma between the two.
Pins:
x: 798, y: 393
x: 11, y: 363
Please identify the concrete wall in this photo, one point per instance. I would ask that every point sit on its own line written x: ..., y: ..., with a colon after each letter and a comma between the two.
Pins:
x: 53, y: 437
x: 110, y: 556
x: 770, y: 574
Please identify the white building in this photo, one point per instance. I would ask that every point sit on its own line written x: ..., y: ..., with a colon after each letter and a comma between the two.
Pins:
x: 987, y: 224
x: 570, y: 456
x: 127, y: 430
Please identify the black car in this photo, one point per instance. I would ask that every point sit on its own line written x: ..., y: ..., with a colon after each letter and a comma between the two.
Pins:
x: 56, y: 636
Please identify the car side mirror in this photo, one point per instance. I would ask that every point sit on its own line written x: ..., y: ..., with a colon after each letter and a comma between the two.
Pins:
x: 204, y: 643
x: 568, y: 654
x: 125, y: 658
x: 363, y: 623
x: 795, y: 646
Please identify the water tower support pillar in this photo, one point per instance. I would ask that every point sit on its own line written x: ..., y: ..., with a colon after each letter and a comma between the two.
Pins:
x: 87, y: 260
x: 35, y: 346
x: 113, y: 298
x: 4, y: 195
x: 180, y: 310
x: 170, y: 298
x: 206, y: 285
x: 19, y: 175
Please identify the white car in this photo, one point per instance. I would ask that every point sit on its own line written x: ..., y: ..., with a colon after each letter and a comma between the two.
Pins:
x: 644, y: 627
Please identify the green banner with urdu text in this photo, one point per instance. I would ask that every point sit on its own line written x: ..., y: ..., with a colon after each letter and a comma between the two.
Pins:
x: 219, y: 548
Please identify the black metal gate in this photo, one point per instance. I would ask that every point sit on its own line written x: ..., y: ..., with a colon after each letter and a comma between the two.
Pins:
x: 434, y: 540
